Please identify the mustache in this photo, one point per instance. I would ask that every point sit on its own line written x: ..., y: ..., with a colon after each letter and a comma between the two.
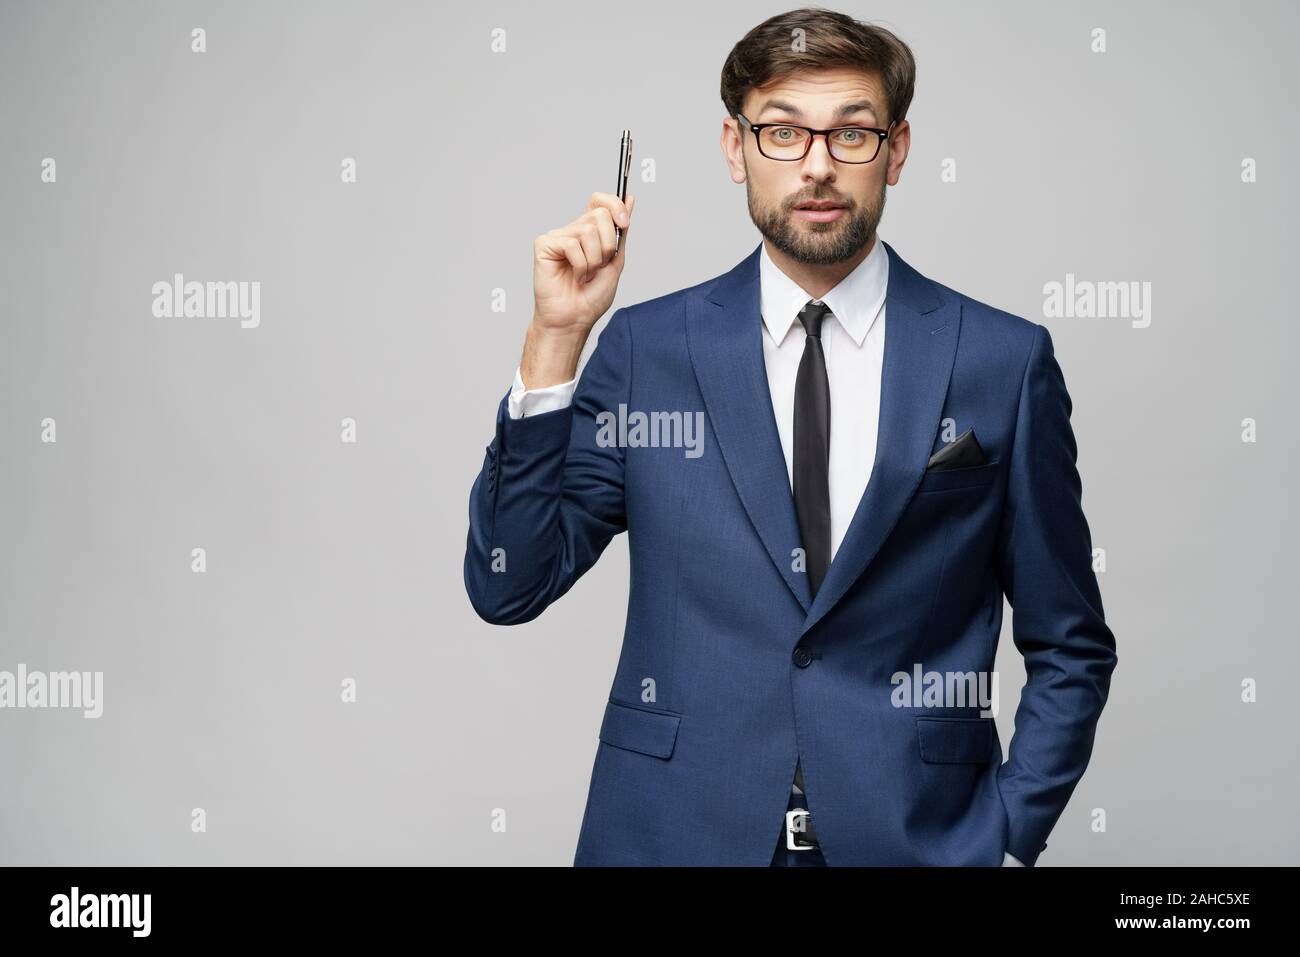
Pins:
x: 839, y: 200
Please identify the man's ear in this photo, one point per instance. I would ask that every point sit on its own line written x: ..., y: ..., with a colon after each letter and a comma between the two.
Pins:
x: 733, y: 151
x: 900, y: 141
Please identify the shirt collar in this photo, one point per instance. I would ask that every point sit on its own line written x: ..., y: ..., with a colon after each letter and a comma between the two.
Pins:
x: 855, y: 301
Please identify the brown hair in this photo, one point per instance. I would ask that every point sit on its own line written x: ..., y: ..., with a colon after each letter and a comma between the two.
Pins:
x: 829, y: 39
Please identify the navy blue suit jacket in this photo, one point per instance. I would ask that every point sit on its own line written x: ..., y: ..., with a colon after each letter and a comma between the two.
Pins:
x: 729, y: 670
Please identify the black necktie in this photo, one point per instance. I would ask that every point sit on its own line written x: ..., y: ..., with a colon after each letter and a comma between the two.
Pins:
x: 812, y: 451
x: 812, y: 446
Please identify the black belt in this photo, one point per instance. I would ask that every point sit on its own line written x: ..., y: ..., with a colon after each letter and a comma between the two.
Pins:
x: 798, y: 829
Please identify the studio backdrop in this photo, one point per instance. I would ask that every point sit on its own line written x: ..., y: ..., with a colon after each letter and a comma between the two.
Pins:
x: 243, y: 525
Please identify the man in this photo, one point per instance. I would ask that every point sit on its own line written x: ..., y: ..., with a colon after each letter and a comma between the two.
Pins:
x: 878, y: 461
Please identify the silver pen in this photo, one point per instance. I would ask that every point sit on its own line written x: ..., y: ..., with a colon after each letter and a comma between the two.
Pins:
x: 624, y: 167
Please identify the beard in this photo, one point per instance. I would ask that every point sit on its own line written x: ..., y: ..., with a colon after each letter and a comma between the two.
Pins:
x: 817, y: 244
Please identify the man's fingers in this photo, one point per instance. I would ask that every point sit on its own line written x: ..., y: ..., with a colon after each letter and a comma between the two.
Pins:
x: 595, y: 231
x: 588, y: 243
x: 619, y: 210
x: 604, y: 224
x: 575, y: 254
x: 602, y: 221
x: 622, y: 241
x: 589, y: 236
x: 557, y: 247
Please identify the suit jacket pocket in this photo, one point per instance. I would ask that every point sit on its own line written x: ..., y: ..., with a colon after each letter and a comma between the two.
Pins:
x: 955, y: 740
x: 640, y: 729
x: 963, y: 452
x: 943, y: 480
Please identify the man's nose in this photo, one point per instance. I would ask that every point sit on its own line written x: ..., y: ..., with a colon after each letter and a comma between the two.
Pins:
x: 819, y: 164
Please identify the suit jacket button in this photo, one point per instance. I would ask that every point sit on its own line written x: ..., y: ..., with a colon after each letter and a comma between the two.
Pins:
x: 802, y: 657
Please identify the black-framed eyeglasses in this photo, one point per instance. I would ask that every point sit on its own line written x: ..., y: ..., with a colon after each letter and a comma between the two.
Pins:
x: 789, y: 143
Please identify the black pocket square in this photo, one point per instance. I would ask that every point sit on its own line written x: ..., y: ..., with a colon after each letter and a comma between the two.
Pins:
x: 962, y: 452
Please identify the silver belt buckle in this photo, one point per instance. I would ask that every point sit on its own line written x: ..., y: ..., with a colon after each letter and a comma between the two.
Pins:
x: 796, y: 823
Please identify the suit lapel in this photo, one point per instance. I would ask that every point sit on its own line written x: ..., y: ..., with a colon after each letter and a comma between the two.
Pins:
x: 724, y: 339
x: 724, y: 332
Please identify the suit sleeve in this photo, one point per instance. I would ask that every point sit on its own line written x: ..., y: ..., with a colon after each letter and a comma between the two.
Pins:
x: 549, y: 495
x: 1044, y: 560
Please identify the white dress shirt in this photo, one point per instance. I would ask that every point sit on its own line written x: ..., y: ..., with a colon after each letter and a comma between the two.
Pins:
x: 854, y: 345
x: 853, y: 341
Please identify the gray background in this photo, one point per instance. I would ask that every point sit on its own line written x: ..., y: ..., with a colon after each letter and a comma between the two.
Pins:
x: 329, y: 560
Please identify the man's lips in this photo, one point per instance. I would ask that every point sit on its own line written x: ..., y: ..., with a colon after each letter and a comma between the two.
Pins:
x: 819, y: 211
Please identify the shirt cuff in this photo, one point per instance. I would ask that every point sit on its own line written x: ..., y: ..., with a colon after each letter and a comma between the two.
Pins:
x: 523, y: 402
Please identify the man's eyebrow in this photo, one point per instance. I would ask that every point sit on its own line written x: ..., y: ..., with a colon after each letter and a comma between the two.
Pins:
x: 848, y: 109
